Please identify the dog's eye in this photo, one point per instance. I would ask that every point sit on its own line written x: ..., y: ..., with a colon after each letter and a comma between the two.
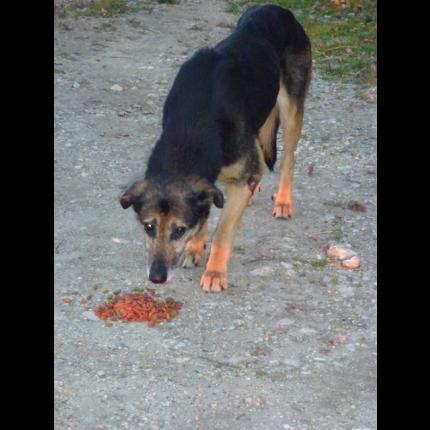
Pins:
x: 178, y: 232
x: 149, y: 228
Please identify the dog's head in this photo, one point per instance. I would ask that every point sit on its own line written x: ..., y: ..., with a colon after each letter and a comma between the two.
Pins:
x: 171, y: 214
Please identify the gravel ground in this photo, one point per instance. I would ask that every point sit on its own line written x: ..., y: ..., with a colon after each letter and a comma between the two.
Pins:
x: 292, y: 343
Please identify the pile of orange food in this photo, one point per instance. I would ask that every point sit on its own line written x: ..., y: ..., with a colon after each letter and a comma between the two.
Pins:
x: 138, y: 307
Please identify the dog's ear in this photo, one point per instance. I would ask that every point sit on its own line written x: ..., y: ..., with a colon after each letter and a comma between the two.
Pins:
x: 206, y: 189
x: 218, y: 196
x: 133, y: 195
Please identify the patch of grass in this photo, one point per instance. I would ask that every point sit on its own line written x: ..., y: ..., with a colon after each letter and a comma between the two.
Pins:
x: 235, y: 6
x: 343, y: 39
x: 298, y: 260
x: 336, y: 234
x: 62, y: 13
x: 98, y: 8
x: 105, y: 8
x: 319, y: 264
x: 316, y: 264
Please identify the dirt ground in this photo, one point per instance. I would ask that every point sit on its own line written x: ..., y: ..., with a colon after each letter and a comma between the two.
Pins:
x: 292, y: 343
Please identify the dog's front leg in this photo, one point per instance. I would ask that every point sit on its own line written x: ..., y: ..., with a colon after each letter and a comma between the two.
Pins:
x: 214, y: 278
x: 195, y: 248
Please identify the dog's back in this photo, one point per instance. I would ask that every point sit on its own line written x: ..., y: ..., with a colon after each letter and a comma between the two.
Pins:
x: 222, y: 96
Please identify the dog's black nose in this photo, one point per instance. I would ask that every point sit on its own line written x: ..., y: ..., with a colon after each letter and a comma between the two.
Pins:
x: 158, y: 273
x: 158, y: 278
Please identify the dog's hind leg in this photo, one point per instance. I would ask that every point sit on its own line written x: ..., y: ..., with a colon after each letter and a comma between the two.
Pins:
x: 292, y: 121
x: 267, y: 137
x: 255, y: 180
x: 214, y: 278
x: 195, y: 248
x: 266, y: 146
x: 296, y: 76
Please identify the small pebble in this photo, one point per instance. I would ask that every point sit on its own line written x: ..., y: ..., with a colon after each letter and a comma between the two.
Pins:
x: 258, y: 401
x: 90, y: 315
x: 285, y: 322
x: 116, y: 87
x: 291, y: 362
x: 119, y: 240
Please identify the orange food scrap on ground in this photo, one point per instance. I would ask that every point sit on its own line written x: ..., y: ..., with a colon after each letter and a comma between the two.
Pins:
x: 345, y: 257
x: 138, y: 307
x: 351, y: 263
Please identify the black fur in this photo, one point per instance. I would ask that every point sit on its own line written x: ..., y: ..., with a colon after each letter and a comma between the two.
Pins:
x: 223, y: 95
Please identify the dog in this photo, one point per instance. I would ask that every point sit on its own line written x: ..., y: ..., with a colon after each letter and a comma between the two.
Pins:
x: 220, y: 122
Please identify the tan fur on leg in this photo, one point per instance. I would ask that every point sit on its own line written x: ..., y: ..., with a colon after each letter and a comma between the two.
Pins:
x: 214, y: 278
x: 292, y: 120
x: 267, y: 134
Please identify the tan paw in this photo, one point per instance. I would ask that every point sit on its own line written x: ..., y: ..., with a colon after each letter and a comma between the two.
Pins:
x: 193, y: 254
x: 213, y: 282
x: 282, y: 209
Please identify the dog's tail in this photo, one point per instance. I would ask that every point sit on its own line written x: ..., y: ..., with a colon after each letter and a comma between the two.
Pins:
x: 267, y: 137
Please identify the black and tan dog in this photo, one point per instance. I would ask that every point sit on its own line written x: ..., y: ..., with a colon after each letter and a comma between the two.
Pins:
x: 220, y: 122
